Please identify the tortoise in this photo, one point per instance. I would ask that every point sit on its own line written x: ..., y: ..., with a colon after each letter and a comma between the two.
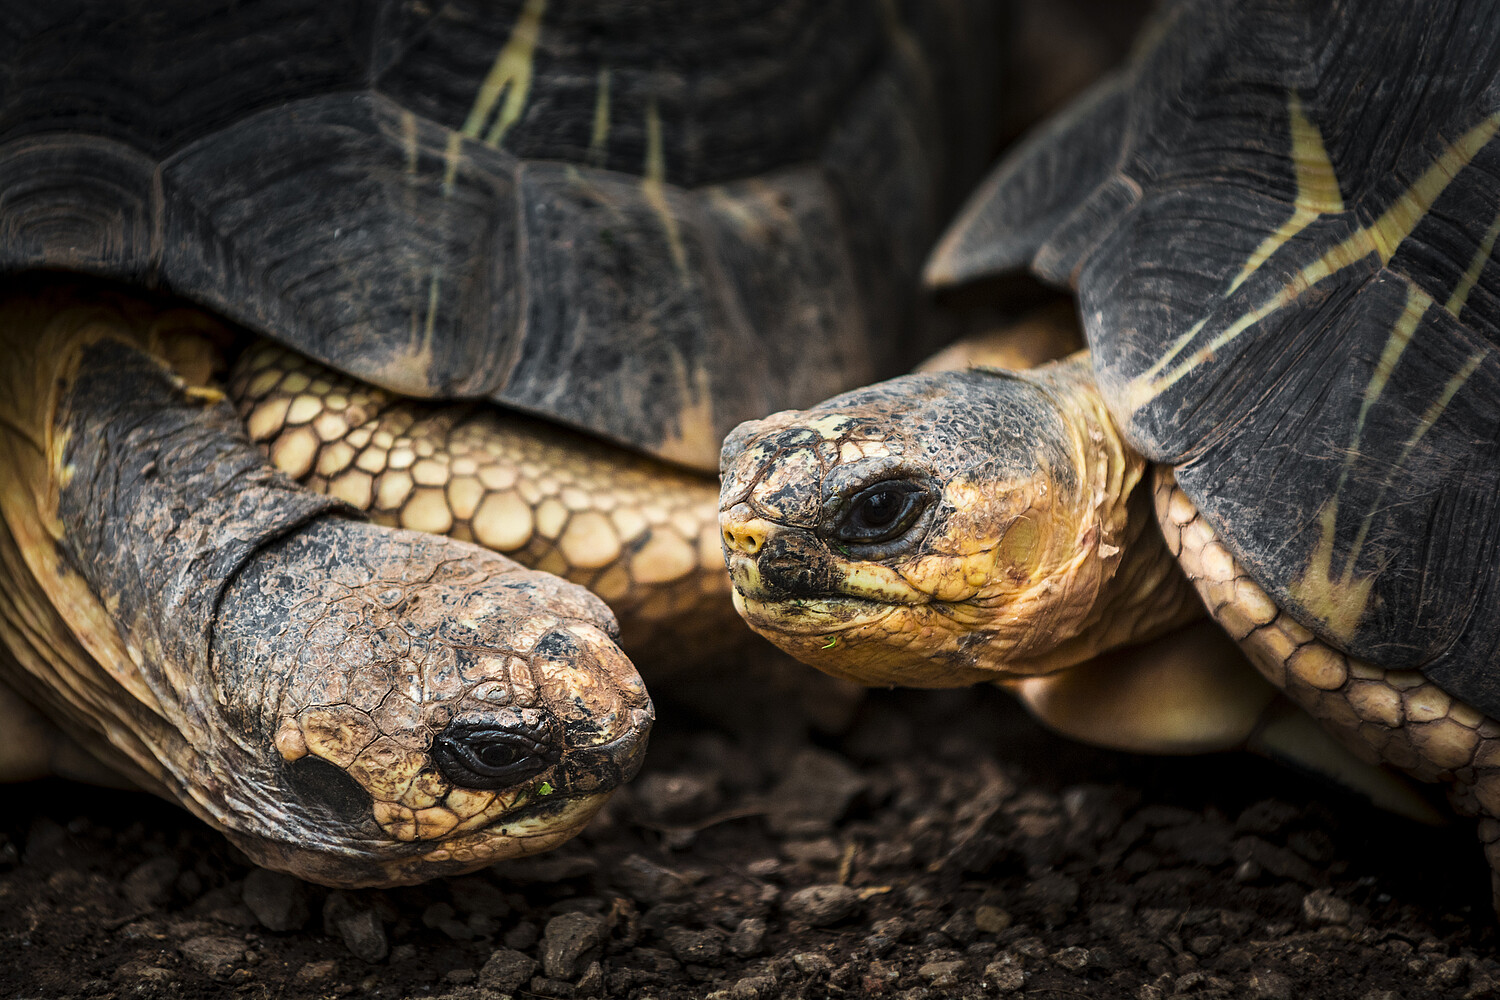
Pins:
x: 1278, y: 220
x: 482, y: 279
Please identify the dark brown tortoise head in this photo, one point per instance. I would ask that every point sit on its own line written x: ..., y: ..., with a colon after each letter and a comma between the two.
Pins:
x: 355, y: 704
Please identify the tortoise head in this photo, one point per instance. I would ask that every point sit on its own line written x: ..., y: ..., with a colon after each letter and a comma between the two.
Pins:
x: 934, y: 530
x: 427, y: 708
x: 351, y: 703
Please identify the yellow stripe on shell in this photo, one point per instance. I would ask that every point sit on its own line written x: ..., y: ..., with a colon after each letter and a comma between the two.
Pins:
x: 653, y: 187
x: 510, y: 76
x: 1455, y: 303
x: 598, y: 153
x: 1381, y: 237
x: 1317, y: 189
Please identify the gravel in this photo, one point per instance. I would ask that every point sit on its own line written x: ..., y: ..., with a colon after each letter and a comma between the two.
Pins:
x: 278, y: 901
x: 957, y: 851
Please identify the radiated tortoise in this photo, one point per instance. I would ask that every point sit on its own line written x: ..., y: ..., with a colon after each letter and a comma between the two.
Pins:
x: 1279, y: 221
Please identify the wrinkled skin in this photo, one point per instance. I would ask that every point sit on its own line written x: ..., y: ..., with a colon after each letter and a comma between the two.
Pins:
x: 354, y: 704
x: 941, y: 529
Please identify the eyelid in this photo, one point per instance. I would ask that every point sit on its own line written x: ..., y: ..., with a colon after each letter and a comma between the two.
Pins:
x: 848, y: 478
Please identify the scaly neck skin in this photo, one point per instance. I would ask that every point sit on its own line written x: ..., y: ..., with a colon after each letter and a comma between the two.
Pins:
x: 162, y: 502
x: 1114, y: 583
x: 119, y: 578
x: 1147, y: 596
x: 355, y: 704
x: 1036, y: 548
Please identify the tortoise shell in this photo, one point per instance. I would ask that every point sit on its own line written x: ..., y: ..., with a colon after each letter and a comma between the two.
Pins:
x: 1280, y: 220
x: 647, y: 220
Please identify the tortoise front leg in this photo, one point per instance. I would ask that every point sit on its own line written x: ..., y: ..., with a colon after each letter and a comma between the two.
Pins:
x: 640, y: 533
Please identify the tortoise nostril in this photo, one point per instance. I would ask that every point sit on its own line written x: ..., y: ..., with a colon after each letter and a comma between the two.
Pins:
x: 746, y: 536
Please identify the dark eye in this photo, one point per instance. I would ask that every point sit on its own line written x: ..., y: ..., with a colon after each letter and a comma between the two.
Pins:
x: 881, y: 512
x: 488, y: 756
x: 498, y: 755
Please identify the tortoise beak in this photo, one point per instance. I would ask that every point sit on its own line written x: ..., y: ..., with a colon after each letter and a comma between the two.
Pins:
x: 588, y: 770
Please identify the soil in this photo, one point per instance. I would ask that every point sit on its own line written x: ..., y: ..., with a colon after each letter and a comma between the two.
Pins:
x: 936, y: 844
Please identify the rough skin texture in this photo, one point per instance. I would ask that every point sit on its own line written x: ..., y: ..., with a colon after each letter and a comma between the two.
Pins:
x: 778, y: 470
x: 641, y: 534
x: 377, y: 654
x: 1029, y: 555
x: 215, y: 630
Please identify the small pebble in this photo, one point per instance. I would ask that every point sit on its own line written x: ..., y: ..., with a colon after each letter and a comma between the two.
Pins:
x: 1449, y: 972
x: 522, y: 936
x: 364, y: 936
x: 654, y: 960
x: 570, y: 942
x: 318, y: 971
x: 814, y: 792
x: 1268, y: 986
x: 704, y: 947
x: 1205, y: 945
x: 960, y: 927
x: 823, y: 852
x: 1004, y: 977
x: 279, y: 902
x: 1278, y: 861
x: 749, y: 937
x: 823, y: 905
x: 507, y: 970
x: 676, y: 798
x: 991, y: 919
x: 1054, y: 894
x: 941, y: 975
x: 214, y: 954
x: 811, y: 963
x: 646, y: 881
x: 1322, y: 907
x: 476, y: 897
x: 753, y: 988
x: 1268, y: 816
x: 591, y: 983
x: 150, y: 884
x: 546, y: 986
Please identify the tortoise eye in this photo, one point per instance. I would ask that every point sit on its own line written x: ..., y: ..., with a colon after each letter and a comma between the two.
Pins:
x: 476, y: 755
x: 498, y: 755
x: 881, y: 512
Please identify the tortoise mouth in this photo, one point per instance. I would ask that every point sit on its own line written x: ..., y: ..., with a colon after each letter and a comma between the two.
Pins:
x: 823, y: 615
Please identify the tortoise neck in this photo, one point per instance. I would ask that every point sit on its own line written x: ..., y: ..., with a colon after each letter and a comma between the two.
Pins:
x: 1129, y: 588
x: 123, y: 482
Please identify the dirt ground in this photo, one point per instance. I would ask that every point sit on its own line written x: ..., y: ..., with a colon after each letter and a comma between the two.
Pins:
x: 939, y: 845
